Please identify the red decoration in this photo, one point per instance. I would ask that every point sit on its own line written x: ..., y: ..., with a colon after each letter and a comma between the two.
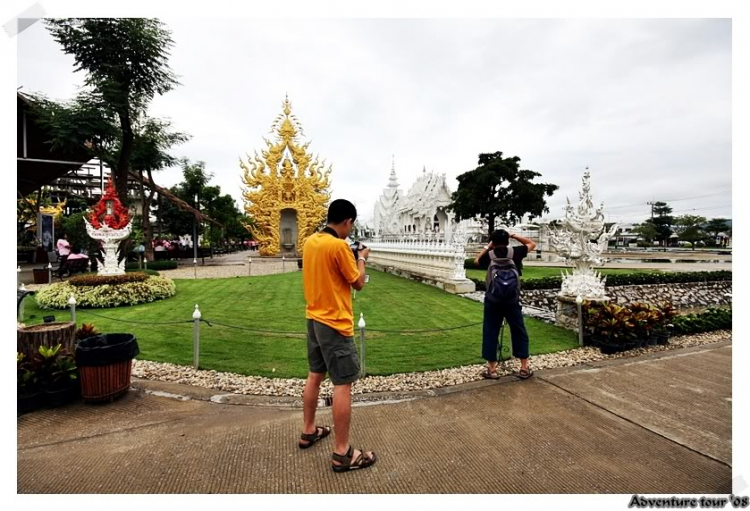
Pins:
x: 119, y: 217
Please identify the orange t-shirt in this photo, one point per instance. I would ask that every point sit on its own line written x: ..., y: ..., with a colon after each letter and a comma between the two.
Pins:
x: 328, y: 270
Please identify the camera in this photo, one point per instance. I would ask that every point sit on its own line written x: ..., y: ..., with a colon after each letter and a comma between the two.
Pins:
x: 356, y: 246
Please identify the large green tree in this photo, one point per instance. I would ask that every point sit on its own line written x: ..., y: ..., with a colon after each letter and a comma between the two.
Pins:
x: 715, y: 226
x: 151, y: 146
x: 126, y: 64
x: 690, y: 228
x: 647, y: 230
x: 663, y: 220
x: 499, y: 190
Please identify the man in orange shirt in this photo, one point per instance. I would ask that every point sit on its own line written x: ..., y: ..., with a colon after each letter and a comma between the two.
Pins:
x: 329, y: 272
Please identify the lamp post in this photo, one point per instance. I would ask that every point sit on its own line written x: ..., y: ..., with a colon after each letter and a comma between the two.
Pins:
x: 579, y: 301
x: 195, y: 232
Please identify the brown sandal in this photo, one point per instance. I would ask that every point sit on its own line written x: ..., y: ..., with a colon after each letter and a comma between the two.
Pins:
x: 314, y: 437
x: 346, y: 461
x: 490, y: 375
x: 524, y: 374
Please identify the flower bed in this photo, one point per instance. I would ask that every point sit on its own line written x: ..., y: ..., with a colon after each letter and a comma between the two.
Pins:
x: 130, y: 292
x: 103, y: 280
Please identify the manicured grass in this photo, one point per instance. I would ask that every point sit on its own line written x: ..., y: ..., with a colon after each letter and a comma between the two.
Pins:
x: 276, y: 303
x: 538, y: 272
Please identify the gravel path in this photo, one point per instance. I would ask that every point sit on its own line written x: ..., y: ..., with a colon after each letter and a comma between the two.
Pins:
x: 222, y: 271
x: 256, y: 385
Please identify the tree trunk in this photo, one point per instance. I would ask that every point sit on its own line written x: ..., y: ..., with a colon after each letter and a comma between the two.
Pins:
x: 491, y: 225
x: 30, y: 338
x: 123, y: 163
x: 145, y: 220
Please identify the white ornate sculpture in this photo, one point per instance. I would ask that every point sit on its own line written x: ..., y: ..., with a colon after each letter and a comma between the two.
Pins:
x: 110, y: 239
x: 574, y: 242
x: 460, y: 237
x: 109, y: 223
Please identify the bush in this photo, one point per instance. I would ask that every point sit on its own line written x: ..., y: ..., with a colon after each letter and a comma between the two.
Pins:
x: 711, y: 319
x: 103, y: 280
x: 55, y: 296
x: 154, y: 265
x: 470, y: 265
x: 629, y: 279
x: 147, y: 272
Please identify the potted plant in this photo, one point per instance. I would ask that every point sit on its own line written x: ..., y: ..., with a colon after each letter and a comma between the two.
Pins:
x: 641, y: 324
x: 30, y: 396
x: 104, y: 364
x: 610, y: 326
x: 87, y: 330
x: 668, y: 313
x: 58, y: 375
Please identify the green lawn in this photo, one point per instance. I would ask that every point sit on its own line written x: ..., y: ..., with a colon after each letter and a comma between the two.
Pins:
x: 537, y: 272
x: 276, y: 303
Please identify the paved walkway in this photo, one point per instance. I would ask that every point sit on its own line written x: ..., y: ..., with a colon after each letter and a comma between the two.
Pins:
x: 661, y: 424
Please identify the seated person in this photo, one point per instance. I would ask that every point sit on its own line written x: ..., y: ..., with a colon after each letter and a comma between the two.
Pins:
x: 76, y: 254
x: 63, y: 246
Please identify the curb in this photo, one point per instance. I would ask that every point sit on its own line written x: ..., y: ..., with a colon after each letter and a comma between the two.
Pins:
x: 183, y: 392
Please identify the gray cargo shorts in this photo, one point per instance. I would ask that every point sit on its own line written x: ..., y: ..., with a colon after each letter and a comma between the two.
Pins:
x: 329, y: 351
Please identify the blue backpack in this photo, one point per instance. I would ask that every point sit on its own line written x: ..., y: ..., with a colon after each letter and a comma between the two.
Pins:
x: 503, y: 282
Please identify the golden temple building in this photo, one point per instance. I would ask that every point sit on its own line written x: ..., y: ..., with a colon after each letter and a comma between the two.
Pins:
x: 287, y: 190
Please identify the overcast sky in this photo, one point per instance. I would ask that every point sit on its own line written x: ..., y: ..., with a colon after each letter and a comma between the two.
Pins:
x: 645, y: 104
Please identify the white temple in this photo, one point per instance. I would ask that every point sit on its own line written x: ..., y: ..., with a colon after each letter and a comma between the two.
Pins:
x: 420, y: 212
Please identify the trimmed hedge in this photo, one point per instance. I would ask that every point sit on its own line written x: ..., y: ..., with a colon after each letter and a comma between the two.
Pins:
x: 629, y: 279
x: 55, y: 296
x: 147, y: 272
x: 154, y: 265
x: 711, y: 319
x: 91, y: 279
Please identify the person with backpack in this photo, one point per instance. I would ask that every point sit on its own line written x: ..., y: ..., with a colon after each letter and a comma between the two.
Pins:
x: 502, y: 299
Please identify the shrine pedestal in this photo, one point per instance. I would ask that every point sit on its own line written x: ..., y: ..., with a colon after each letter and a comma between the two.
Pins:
x: 567, y: 311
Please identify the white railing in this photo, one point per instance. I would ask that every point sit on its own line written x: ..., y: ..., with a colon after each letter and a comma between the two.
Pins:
x: 436, y: 258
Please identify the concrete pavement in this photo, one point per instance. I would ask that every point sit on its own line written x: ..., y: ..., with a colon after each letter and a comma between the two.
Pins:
x: 659, y: 424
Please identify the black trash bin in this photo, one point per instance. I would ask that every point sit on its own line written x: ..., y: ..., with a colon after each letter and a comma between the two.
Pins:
x: 104, y: 365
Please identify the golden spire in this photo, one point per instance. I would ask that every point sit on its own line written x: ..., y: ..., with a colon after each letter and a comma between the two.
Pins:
x: 285, y: 176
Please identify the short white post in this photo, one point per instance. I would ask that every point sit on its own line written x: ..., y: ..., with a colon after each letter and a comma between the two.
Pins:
x: 195, y: 269
x: 362, y: 324
x: 283, y: 264
x: 72, y: 304
x: 145, y: 264
x: 579, y: 301
x: 88, y: 265
x: 49, y: 272
x: 18, y: 277
x: 196, y: 335
x: 249, y: 266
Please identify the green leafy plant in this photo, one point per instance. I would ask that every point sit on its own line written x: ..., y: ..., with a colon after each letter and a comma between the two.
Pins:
x: 87, y: 330
x: 55, y: 366
x: 710, y: 320
x: 27, y: 378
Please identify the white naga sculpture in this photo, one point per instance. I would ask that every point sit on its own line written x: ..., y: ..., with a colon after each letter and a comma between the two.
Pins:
x: 109, y: 223
x: 574, y: 241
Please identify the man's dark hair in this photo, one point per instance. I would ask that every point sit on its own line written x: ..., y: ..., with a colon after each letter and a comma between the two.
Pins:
x: 341, y: 210
x: 500, y: 238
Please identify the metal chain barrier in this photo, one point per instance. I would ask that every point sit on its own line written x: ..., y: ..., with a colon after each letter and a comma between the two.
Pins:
x: 148, y: 323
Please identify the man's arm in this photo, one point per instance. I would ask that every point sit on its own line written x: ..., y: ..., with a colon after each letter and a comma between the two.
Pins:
x: 524, y: 241
x: 482, y: 253
x: 361, y: 267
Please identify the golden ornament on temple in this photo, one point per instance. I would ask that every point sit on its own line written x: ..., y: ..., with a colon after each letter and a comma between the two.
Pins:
x: 287, y: 190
